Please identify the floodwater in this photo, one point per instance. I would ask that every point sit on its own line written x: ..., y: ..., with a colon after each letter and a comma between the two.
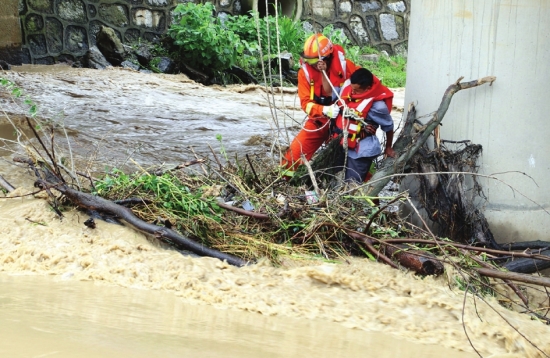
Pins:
x: 67, y: 290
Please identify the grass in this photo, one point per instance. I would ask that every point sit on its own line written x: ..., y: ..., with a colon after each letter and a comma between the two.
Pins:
x: 391, y: 70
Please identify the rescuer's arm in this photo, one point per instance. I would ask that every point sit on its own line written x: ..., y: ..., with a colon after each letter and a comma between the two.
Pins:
x: 309, y: 106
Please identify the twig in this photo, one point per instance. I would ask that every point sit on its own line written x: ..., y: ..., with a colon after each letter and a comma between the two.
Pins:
x: 35, y: 222
x: 252, y: 168
x: 53, y: 163
x: 510, y: 284
x: 491, y: 176
x: 87, y: 176
x: 6, y: 185
x: 215, y: 157
x: 515, y: 329
x: 197, y: 157
x: 464, y: 323
x: 243, y: 212
x: 311, y: 175
x: 372, y: 249
x: 468, y: 247
x: 398, y: 197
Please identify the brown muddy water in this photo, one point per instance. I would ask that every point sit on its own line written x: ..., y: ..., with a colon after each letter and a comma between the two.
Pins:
x: 67, y: 290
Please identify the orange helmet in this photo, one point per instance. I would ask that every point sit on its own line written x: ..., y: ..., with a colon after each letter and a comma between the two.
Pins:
x: 317, y: 45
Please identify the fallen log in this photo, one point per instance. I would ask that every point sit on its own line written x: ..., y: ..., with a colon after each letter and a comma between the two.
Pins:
x: 528, y: 265
x: 91, y: 202
x: 415, y: 260
x: 455, y: 245
x: 48, y: 180
x: 421, y: 262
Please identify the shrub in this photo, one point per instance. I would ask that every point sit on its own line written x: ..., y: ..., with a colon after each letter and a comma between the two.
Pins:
x: 204, y: 43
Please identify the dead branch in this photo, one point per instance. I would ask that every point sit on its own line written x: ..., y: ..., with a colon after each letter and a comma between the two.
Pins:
x: 412, y: 145
x: 47, y: 180
x: 513, y: 276
x: 468, y: 247
x: 527, y: 264
x: 243, y: 212
x: 91, y: 202
x: 368, y: 244
x: 510, y: 284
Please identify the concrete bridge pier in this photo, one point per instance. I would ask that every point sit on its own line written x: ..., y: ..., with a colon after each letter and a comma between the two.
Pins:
x: 10, y: 35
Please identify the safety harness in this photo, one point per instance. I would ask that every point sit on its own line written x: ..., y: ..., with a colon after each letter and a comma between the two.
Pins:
x: 353, y: 116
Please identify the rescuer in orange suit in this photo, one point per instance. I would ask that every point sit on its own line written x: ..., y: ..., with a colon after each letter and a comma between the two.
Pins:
x: 318, y: 94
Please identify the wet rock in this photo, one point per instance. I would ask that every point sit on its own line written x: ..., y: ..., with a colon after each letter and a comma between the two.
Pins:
x: 143, y: 55
x: 242, y: 75
x: 195, y: 74
x: 292, y: 77
x: 164, y: 64
x: 287, y: 61
x: 15, y: 55
x: 110, y: 45
x: 37, y: 43
x: 95, y: 59
x: 130, y: 64
x: 4, y: 65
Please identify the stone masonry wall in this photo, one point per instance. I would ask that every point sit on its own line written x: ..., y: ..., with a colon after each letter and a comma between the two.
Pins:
x: 382, y: 24
x: 61, y: 30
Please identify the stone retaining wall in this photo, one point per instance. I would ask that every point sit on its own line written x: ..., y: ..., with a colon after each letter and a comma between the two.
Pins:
x: 61, y: 30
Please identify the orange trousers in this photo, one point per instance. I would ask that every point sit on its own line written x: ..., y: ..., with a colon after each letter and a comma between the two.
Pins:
x: 310, y: 138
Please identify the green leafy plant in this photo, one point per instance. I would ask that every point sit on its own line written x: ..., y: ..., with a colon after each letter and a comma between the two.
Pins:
x: 291, y: 37
x: 16, y: 92
x: 222, y: 148
x: 203, y: 41
x: 166, y: 190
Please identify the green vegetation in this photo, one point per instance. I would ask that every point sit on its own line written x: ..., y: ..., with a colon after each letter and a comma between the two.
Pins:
x: 16, y: 92
x: 202, y: 38
x: 170, y: 197
x: 212, y: 44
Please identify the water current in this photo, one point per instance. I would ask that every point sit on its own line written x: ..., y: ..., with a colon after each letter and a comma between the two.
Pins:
x: 67, y: 290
